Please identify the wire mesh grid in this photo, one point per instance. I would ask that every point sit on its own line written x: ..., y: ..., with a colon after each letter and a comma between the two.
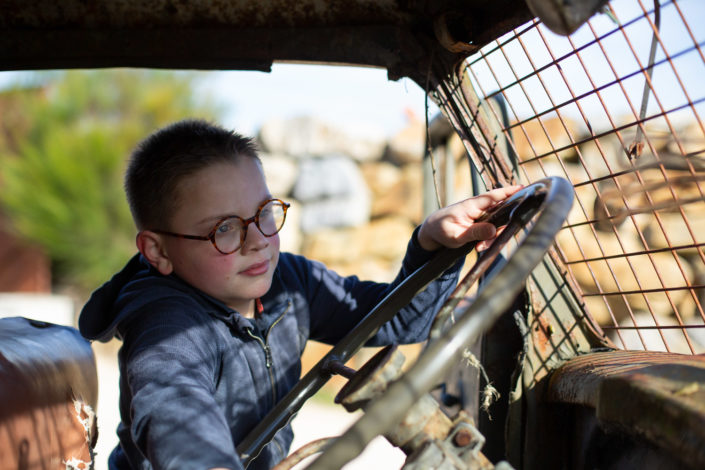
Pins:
x: 616, y: 108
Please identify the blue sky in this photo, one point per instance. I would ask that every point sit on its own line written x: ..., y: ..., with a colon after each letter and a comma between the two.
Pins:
x: 348, y: 96
x: 360, y: 98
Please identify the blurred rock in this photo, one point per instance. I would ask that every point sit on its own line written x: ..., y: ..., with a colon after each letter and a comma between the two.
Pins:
x: 367, y: 269
x: 373, y: 251
x: 395, y: 190
x: 332, y: 246
x: 625, y: 273
x: 334, y: 212
x: 281, y: 173
x: 602, y: 156
x: 333, y: 193
x: 290, y: 236
x: 334, y: 176
x: 535, y: 139
x: 654, y: 339
x: 408, y: 145
x: 307, y: 136
x: 412, y: 192
x: 676, y: 229
x: 386, y: 238
x: 691, y: 141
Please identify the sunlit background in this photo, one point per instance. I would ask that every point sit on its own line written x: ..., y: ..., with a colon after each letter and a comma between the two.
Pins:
x: 64, y: 138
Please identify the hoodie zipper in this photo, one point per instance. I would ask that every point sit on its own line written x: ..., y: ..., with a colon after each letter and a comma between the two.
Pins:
x: 268, y: 362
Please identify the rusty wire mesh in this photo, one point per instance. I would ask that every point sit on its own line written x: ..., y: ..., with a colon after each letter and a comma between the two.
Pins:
x: 617, y: 109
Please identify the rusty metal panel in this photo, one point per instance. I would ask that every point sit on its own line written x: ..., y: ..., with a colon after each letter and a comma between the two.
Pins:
x: 403, y: 36
x: 655, y: 396
x: 48, y: 394
x: 578, y: 381
x: 98, y: 14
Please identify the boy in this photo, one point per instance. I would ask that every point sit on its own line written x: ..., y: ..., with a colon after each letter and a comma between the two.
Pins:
x: 213, y: 318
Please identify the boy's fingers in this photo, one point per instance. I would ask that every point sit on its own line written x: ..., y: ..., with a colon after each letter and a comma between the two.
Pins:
x: 486, y: 243
x: 481, y: 231
x: 494, y: 196
x: 505, y: 192
x: 483, y: 245
x: 500, y: 194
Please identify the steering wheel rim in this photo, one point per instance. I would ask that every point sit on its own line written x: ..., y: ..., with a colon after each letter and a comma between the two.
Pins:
x: 494, y: 298
x: 530, y: 197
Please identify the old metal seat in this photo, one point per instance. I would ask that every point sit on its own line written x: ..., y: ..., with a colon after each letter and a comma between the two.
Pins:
x: 48, y: 391
x: 657, y: 398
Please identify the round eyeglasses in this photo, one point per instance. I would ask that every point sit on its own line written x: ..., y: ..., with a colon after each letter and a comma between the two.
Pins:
x: 228, y: 234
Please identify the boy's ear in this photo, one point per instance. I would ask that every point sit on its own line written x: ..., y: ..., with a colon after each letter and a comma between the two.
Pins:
x: 151, y: 245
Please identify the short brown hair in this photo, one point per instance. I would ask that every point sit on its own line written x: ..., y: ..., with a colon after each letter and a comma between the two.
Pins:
x: 163, y: 159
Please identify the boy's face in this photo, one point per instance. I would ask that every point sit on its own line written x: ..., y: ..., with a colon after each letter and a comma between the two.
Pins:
x: 220, y: 190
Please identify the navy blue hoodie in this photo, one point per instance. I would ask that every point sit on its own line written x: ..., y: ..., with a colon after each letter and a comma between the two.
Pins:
x: 196, y: 377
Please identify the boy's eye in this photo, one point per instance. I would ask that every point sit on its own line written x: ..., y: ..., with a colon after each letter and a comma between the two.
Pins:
x: 225, y: 227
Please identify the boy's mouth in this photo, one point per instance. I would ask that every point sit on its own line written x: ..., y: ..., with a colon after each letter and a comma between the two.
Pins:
x: 256, y: 269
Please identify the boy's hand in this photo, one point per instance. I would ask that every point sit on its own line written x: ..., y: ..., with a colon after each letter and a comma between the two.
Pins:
x: 455, y: 225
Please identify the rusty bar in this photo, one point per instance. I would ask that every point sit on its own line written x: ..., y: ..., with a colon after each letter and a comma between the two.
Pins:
x: 645, y: 209
x: 652, y: 327
x: 454, y: 114
x: 507, y: 135
x: 587, y: 94
x: 500, y: 159
x: 536, y: 71
x: 644, y: 291
x: 627, y: 171
x: 636, y: 253
x: 669, y: 58
x: 616, y: 129
x: 690, y: 101
x: 470, y: 62
x: 303, y: 453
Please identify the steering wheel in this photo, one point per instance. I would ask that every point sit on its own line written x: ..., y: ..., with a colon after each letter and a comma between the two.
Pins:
x: 495, y: 297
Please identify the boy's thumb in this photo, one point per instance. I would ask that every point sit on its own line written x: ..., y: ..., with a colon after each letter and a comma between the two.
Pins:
x: 482, y: 231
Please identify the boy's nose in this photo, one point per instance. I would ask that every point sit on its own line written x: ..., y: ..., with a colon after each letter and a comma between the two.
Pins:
x: 254, y: 239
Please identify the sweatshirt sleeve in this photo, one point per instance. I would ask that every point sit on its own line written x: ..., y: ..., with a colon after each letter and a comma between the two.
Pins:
x: 171, y: 368
x: 338, y: 303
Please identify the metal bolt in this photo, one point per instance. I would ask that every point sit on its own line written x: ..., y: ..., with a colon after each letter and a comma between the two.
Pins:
x: 462, y: 438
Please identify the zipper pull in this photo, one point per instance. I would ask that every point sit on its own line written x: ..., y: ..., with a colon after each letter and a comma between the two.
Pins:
x: 267, y: 356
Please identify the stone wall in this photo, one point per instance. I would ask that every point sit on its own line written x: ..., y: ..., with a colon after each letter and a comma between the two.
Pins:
x: 357, y: 198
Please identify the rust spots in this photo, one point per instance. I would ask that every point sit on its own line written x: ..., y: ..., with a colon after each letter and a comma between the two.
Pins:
x: 463, y: 438
x: 542, y: 331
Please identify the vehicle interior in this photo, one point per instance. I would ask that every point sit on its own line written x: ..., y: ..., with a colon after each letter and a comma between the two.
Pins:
x: 583, y: 324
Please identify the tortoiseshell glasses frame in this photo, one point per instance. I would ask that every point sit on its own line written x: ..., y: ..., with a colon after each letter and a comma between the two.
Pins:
x: 229, y: 232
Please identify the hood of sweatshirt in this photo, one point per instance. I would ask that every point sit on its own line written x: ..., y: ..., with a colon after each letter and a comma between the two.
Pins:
x: 135, y: 286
